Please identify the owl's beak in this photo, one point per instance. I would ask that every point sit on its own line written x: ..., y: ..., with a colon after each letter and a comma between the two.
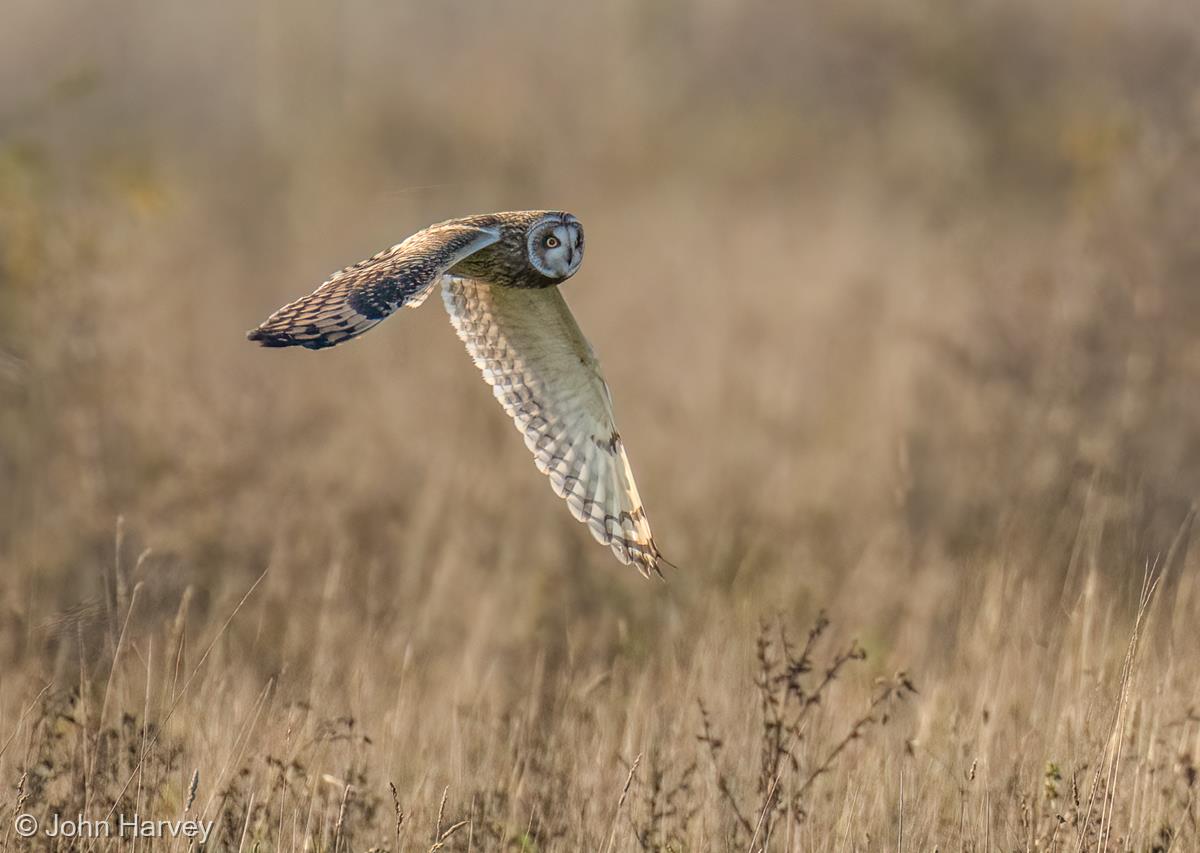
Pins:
x: 570, y: 256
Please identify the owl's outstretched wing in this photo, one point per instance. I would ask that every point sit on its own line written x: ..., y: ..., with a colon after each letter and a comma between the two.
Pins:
x: 359, y: 297
x: 545, y: 375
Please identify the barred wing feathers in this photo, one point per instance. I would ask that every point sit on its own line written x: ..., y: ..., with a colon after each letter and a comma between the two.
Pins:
x: 545, y: 375
x: 361, y: 296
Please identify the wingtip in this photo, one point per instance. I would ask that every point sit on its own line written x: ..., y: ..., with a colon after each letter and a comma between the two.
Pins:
x: 659, y: 562
x: 650, y: 564
x: 267, y: 339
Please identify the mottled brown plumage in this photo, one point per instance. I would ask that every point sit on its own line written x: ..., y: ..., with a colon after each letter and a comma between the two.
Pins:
x: 359, y: 296
x: 506, y: 262
x: 500, y: 274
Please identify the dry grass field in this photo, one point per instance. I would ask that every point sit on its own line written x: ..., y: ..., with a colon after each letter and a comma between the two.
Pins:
x: 900, y: 305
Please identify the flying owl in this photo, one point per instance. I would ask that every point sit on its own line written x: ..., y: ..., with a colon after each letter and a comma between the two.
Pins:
x: 500, y: 274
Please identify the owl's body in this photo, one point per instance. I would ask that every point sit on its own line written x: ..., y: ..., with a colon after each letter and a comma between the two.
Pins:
x: 499, y: 274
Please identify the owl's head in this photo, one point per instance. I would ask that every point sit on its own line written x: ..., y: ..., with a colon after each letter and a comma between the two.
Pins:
x: 555, y: 245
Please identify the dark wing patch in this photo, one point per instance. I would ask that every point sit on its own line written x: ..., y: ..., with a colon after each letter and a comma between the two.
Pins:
x: 360, y: 296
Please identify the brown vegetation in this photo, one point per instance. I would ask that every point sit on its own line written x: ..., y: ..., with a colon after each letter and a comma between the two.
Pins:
x: 900, y: 306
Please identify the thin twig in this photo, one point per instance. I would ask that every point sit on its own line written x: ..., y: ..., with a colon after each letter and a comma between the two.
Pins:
x: 612, y: 833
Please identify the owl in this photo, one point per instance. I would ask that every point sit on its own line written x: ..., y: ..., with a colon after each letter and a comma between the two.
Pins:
x: 500, y: 275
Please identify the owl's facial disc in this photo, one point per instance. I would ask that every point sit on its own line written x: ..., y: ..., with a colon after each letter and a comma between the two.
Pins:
x: 555, y: 246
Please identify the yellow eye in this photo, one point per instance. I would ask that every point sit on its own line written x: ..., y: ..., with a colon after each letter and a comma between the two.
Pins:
x: 551, y: 242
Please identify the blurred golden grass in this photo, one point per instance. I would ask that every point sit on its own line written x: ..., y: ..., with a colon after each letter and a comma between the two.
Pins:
x: 899, y: 308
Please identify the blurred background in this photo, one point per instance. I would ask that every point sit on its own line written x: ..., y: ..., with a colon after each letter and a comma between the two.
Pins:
x: 898, y: 302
